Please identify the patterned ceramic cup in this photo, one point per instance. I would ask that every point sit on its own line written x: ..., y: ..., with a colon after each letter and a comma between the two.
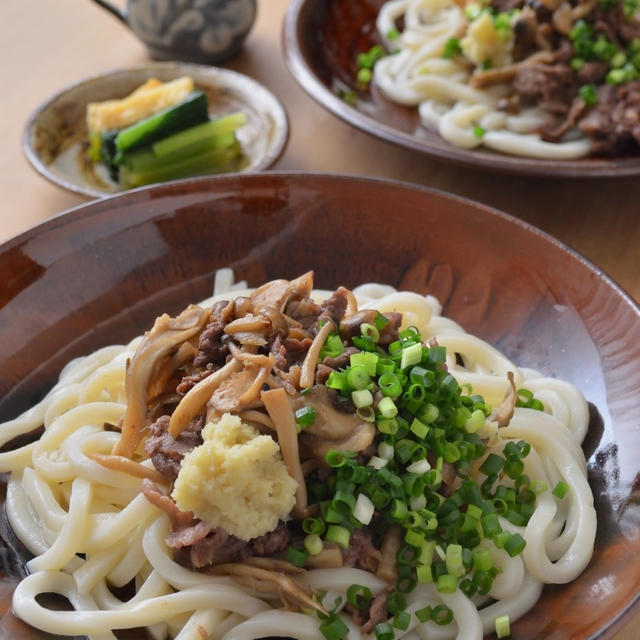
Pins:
x: 206, y: 31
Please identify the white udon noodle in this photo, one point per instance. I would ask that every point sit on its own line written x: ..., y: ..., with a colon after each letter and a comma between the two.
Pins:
x: 61, y: 503
x: 417, y: 75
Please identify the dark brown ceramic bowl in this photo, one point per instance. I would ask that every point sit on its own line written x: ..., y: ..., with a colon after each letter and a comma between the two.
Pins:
x: 322, y: 39
x: 100, y: 273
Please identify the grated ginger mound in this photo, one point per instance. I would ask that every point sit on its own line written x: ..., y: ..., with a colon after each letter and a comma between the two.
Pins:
x: 236, y: 479
x: 486, y: 44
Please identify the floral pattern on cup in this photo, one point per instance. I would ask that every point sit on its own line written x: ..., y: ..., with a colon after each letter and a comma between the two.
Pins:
x: 197, y: 30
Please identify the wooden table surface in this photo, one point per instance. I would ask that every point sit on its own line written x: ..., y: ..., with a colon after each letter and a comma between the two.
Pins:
x: 48, y: 44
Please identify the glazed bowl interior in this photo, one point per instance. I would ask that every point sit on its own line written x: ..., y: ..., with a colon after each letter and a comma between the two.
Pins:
x: 101, y: 273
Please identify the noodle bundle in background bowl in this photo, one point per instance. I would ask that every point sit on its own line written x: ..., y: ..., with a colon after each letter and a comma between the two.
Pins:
x: 536, y: 88
x: 561, y: 318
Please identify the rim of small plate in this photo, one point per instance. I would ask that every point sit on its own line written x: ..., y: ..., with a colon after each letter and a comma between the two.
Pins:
x: 34, y: 159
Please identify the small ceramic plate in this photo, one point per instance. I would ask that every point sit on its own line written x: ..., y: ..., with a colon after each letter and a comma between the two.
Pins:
x: 55, y: 140
x: 322, y: 39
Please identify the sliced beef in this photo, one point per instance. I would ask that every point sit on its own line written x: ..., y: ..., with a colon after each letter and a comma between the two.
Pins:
x: 377, y: 612
x: 219, y: 547
x: 322, y: 373
x: 165, y: 452
x: 389, y: 333
x: 305, y: 311
x: 506, y: 5
x: 551, y: 87
x: 289, y: 351
x: 557, y: 132
x: 190, y: 381
x: 211, y: 347
x: 350, y: 326
x: 341, y: 361
x: 273, y: 542
x: 361, y: 553
x: 593, y: 72
x: 335, y: 306
x: 613, y: 124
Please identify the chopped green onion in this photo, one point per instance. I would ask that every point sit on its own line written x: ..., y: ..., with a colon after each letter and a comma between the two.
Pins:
x: 447, y: 583
x: 492, y: 465
x: 390, y: 385
x: 384, y: 631
x: 414, y: 538
x: 411, y: 355
x: 367, y: 414
x: 297, y: 557
x: 357, y: 377
x: 482, y: 559
x: 339, y: 535
x: 401, y: 620
x: 442, y: 615
x: 419, y: 467
x: 313, y: 544
x: 475, y: 421
x: 361, y: 398
x: 385, y: 450
x: 359, y: 596
x: 560, y: 490
x: 387, y: 408
x: 424, y: 573
x: 363, y: 509
x: 503, y: 628
x: 388, y: 426
x: 337, y: 380
x: 334, y: 628
x: 515, y: 545
x: 501, y: 538
x: 478, y: 131
x: 370, y: 331
x: 538, y: 487
x: 313, y: 525
x: 453, y: 560
x: 451, y: 48
x: 305, y: 416
x: 336, y: 458
x: 490, y: 525
x: 424, y: 614
x: 429, y: 413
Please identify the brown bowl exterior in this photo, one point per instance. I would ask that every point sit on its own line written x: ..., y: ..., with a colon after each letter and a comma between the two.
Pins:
x: 100, y: 274
x: 322, y: 39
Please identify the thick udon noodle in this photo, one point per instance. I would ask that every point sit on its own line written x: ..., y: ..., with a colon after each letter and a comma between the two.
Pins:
x: 90, y: 529
x: 418, y: 75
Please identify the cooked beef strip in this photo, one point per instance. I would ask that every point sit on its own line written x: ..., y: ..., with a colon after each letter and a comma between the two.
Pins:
x: 211, y: 348
x: 167, y: 453
x: 551, y: 87
x: 361, y: 553
x: 189, y: 381
x: 389, y: 333
x: 613, y: 124
x: 378, y: 611
x: 335, y: 305
x: 219, y: 546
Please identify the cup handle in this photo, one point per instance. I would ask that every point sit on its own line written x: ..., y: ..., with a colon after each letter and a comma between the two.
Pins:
x: 121, y: 15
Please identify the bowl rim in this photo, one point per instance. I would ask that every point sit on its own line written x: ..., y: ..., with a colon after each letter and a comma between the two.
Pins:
x: 483, y: 160
x: 34, y: 159
x: 209, y: 183
x: 86, y: 209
